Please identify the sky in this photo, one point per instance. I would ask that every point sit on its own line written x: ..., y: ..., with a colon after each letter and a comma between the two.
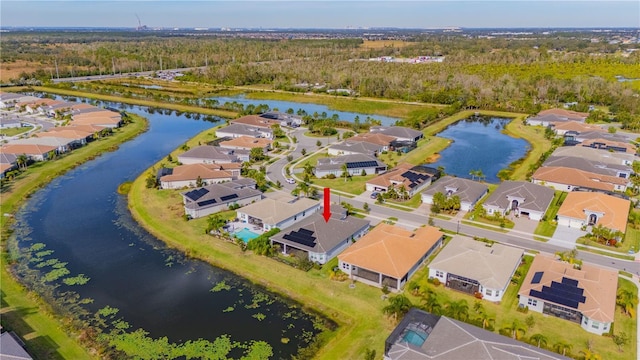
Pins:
x: 321, y: 14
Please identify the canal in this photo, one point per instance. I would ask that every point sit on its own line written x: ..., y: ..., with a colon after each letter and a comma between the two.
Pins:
x: 82, y: 218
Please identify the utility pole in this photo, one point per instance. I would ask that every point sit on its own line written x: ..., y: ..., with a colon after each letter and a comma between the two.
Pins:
x: 57, y: 72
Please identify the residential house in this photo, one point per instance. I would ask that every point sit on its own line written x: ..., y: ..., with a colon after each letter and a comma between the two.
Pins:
x: 578, y: 127
x: 610, y: 145
x: 62, y: 144
x: 382, y: 140
x: 581, y: 208
x: 469, y: 192
x: 356, y: 164
x: 207, y: 154
x: 9, y: 123
x: 349, y: 147
x: 585, y: 295
x: 398, y: 132
x: 407, y: 177
x: 214, y: 198
x: 475, y: 267
x: 12, y: 347
x: 246, y: 143
x: 8, y: 162
x: 278, y: 213
x: 425, y: 336
x: 34, y: 152
x: 256, y: 121
x: 237, y: 130
x: 521, y: 198
x: 592, y: 166
x: 568, y: 179
x: 187, y: 175
x: 58, y: 110
x: 284, y: 118
x: 555, y: 116
x: 104, y: 118
x: 607, y: 157
x: 78, y: 138
x: 389, y: 255
x: 8, y: 100
x: 37, y: 106
x: 321, y: 241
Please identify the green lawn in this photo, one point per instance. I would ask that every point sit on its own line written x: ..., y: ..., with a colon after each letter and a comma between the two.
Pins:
x: 15, y: 130
x: 414, y: 202
x: 539, y: 145
x: 631, y: 241
x: 548, y: 226
x: 354, y: 185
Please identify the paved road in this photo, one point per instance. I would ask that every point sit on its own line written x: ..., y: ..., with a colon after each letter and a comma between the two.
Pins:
x: 120, y: 75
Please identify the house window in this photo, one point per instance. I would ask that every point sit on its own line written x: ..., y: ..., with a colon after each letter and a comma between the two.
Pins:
x: 345, y: 266
x: 439, y: 273
x: 585, y: 321
x: 568, y: 187
x: 489, y: 292
x: 532, y: 302
x: 595, y: 325
x: 304, y: 213
x: 497, y: 292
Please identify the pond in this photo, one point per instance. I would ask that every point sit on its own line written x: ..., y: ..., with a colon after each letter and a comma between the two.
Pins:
x: 308, y: 107
x: 479, y: 144
x: 87, y: 224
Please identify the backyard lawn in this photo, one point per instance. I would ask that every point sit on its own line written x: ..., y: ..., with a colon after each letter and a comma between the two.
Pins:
x: 548, y: 226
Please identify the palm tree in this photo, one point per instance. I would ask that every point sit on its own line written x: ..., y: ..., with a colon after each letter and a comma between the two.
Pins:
x: 458, y: 310
x: 478, y: 307
x: 398, y: 306
x: 486, y: 320
x: 304, y: 187
x: 538, y: 339
x: 627, y: 300
x: 308, y: 168
x: 345, y: 173
x: 562, y: 347
x: 515, y: 330
x: 590, y: 355
x: 214, y: 223
x: 473, y: 174
x: 22, y: 161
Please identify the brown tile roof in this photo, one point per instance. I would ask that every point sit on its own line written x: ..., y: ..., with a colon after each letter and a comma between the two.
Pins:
x: 576, y: 126
x: 391, y: 250
x: 575, y: 177
x: 599, y: 285
x: 41, y: 102
x: 4, y: 167
x: 86, y: 128
x: 374, y: 138
x: 565, y: 113
x: 66, y: 133
x: 28, y: 149
x: 393, y: 175
x: 98, y: 120
x: 615, y: 209
x: 78, y: 106
x: 630, y: 147
x: 247, y: 142
x: 192, y: 171
x: 255, y: 120
x: 98, y: 114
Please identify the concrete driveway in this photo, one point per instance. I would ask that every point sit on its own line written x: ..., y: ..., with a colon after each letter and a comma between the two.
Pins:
x: 566, y: 236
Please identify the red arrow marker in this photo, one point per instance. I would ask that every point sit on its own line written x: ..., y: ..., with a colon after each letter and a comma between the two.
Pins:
x: 326, y: 213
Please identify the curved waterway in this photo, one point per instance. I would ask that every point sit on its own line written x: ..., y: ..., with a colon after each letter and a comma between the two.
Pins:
x: 480, y: 144
x: 86, y: 223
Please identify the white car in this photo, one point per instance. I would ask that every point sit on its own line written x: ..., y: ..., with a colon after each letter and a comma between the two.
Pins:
x: 291, y: 181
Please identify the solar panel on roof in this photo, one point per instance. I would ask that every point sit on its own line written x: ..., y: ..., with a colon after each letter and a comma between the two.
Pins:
x: 302, y: 236
x: 567, y: 293
x: 228, y: 197
x: 305, y: 231
x: 537, y: 277
x: 196, y: 194
x: 361, y: 164
x: 568, y: 281
x: 207, y: 202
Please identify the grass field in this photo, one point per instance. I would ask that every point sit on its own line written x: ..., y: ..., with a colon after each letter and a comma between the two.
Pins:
x: 548, y: 226
x: 379, y: 44
x: 45, y: 335
x: 15, y: 130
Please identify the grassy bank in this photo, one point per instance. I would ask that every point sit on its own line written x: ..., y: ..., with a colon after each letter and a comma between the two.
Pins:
x: 125, y: 100
x: 22, y: 311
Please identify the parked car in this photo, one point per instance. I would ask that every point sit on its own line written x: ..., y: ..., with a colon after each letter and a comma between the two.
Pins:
x: 291, y: 181
x: 374, y: 195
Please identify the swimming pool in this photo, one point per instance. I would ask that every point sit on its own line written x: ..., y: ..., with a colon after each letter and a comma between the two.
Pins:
x: 246, y: 234
x: 415, y: 337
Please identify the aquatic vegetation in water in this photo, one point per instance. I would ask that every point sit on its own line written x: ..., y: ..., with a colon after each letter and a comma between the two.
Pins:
x: 222, y: 285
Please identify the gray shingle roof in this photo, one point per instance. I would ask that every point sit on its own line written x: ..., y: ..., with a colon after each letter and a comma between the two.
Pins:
x: 398, y: 131
x: 467, y: 190
x: 586, y: 165
x: 536, y: 197
x: 241, y: 129
x: 327, y: 235
x: 361, y: 147
x: 210, y: 153
x: 594, y: 154
x: 448, y: 339
x: 335, y: 163
x: 216, y: 194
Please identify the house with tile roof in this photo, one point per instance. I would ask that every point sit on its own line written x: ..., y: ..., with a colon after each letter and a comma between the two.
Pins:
x: 278, y: 213
x: 399, y: 133
x: 521, y: 198
x: 412, y: 179
x: 8, y: 162
x: 246, y: 143
x: 553, y: 117
x: 187, y: 175
x: 319, y: 239
x: 348, y: 147
x: 568, y: 179
x: 237, y: 130
x: 78, y: 138
x: 607, y: 157
x: 356, y: 164
x: 34, y: 152
x: 469, y: 192
x: 285, y: 119
x: 103, y: 117
x: 214, y: 198
x: 588, y: 165
x: 472, y: 267
x: 610, y: 145
x: 585, y: 295
x: 581, y: 208
x: 256, y: 121
x: 382, y: 140
x: 561, y: 128
x: 425, y: 336
x: 207, y: 154
x: 62, y: 144
x: 389, y: 255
